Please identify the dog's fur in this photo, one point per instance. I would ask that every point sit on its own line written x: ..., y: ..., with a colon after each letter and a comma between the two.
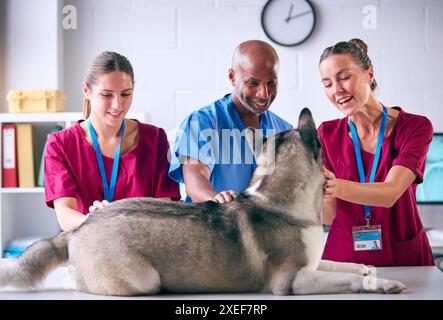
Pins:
x: 270, y: 239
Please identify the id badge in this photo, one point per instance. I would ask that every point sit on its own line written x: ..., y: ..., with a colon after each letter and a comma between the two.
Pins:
x: 367, y: 237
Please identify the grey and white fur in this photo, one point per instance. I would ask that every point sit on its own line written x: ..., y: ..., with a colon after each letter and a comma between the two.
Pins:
x: 269, y: 239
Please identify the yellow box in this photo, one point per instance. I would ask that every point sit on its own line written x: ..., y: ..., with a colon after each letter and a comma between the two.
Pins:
x: 36, y: 101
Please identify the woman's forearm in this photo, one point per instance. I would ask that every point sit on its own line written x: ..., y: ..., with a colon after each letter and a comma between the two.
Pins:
x: 379, y: 194
x: 69, y: 219
x: 329, y: 210
x: 67, y: 215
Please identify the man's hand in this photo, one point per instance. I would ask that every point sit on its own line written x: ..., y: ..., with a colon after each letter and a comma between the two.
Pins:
x: 225, y: 196
x: 97, y: 205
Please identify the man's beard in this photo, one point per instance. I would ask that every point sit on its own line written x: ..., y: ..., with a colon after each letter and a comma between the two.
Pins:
x: 248, y: 104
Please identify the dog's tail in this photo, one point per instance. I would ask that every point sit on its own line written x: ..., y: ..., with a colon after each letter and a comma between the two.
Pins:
x: 30, y: 269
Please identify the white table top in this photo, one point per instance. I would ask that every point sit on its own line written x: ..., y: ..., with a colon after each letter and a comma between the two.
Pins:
x: 435, y: 237
x: 422, y: 283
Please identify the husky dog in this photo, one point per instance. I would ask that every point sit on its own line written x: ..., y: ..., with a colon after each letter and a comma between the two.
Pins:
x: 269, y: 239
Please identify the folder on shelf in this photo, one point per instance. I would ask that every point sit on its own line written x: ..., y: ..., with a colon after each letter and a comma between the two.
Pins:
x: 9, y: 163
x: 25, y: 155
x: 41, y: 171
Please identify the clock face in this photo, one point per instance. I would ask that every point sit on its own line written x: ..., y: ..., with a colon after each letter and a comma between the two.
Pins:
x: 288, y: 22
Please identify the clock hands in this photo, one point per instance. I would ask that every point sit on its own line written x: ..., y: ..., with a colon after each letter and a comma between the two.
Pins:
x: 289, y: 14
x: 289, y: 18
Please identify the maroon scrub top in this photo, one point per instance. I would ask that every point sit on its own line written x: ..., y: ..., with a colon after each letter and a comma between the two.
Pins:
x: 71, y: 168
x: 403, y: 237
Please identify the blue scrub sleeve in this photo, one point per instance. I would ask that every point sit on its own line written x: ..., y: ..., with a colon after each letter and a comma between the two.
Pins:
x: 196, y: 139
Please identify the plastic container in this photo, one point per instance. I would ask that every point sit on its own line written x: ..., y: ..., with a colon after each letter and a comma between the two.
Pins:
x: 29, y: 101
x: 16, y: 247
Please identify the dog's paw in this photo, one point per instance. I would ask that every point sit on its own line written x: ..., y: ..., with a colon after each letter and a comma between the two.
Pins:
x: 390, y: 286
x: 364, y: 270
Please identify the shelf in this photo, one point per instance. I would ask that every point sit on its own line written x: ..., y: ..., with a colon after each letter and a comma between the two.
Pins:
x: 55, y: 117
x: 40, y: 117
x: 22, y: 190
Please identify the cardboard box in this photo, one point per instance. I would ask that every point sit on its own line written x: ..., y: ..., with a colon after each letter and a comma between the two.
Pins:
x: 28, y: 101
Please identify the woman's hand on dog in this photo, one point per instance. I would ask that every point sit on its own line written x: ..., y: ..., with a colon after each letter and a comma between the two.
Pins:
x: 97, y: 205
x: 225, y: 196
x: 330, y: 185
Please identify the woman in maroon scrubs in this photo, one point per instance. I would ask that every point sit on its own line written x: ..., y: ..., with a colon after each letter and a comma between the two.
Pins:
x: 107, y: 151
x: 376, y: 200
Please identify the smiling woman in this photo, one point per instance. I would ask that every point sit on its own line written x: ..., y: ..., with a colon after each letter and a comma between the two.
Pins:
x: 389, y: 146
x: 80, y: 160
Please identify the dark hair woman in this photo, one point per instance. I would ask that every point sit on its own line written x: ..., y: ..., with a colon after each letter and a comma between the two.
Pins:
x: 107, y: 156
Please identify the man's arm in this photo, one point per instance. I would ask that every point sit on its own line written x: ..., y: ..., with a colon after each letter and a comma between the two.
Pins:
x: 196, y: 175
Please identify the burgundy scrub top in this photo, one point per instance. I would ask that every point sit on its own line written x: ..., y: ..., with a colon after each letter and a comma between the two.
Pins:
x: 403, y: 237
x: 71, y: 168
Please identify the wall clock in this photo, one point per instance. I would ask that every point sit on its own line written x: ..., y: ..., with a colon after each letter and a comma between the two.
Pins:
x: 288, y: 22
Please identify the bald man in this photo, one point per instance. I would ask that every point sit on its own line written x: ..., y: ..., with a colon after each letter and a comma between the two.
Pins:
x: 211, y: 156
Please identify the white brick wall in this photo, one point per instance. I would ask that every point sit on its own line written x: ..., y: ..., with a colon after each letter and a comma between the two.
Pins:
x: 217, y: 27
x: 433, y: 27
x: 31, y: 45
x: 181, y: 51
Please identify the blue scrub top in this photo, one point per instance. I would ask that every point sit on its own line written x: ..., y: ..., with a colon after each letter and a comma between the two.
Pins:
x: 215, y: 136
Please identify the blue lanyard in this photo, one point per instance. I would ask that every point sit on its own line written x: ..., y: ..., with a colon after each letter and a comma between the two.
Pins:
x: 108, y: 189
x: 361, y: 171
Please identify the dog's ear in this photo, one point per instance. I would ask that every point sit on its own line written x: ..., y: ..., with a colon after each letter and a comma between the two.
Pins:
x: 256, y: 139
x: 308, y: 132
